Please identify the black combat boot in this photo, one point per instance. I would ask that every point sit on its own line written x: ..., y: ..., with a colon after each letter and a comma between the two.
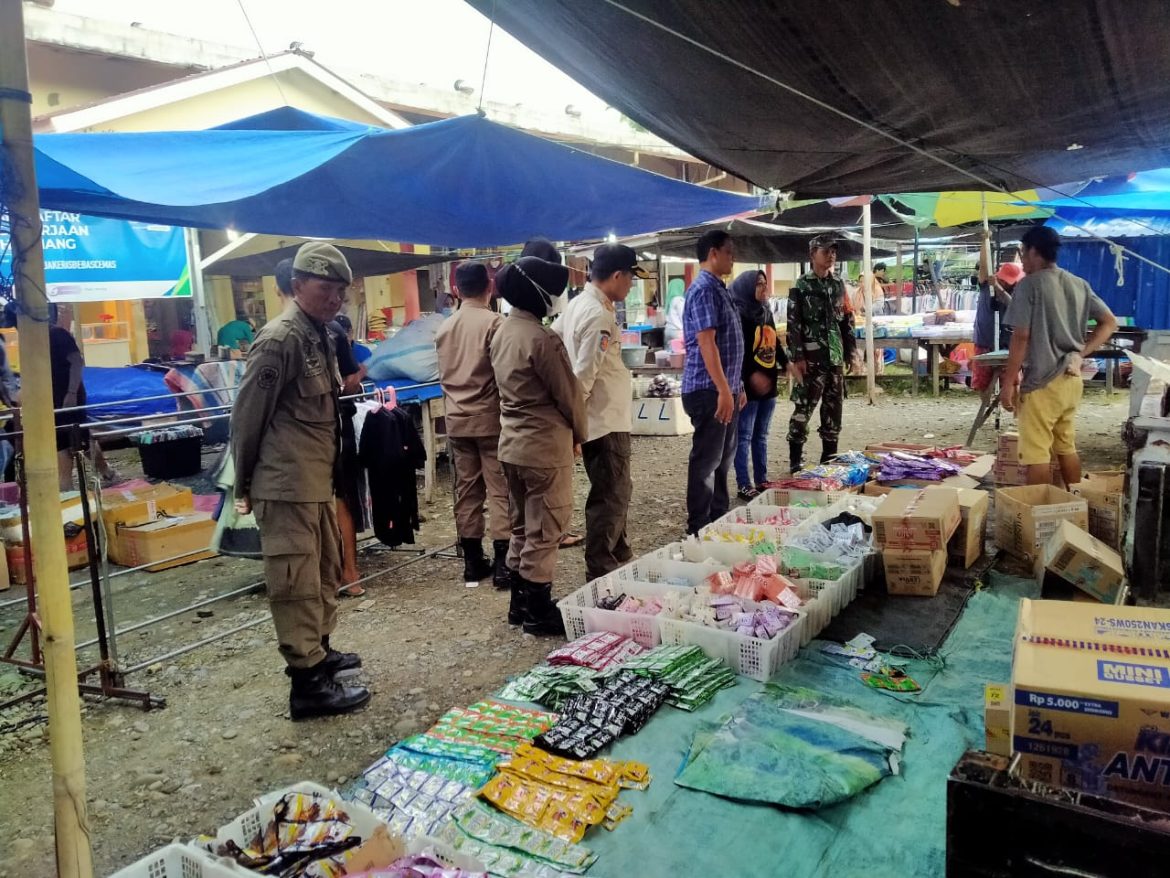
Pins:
x: 796, y: 456
x: 542, y: 616
x: 519, y: 602
x: 476, y: 567
x: 339, y: 665
x: 501, y: 576
x: 828, y: 450
x: 315, y: 693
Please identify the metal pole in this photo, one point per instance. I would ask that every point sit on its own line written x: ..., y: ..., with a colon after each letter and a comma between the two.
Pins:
x: 867, y: 279
x: 203, y: 334
x: 914, y: 291
x: 74, y: 856
x: 898, y: 275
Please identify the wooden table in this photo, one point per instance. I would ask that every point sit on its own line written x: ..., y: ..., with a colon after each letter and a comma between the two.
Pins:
x: 989, y: 395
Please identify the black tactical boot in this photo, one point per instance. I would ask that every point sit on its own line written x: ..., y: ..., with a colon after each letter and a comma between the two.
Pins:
x: 315, y: 693
x: 501, y: 576
x: 542, y: 617
x: 340, y: 665
x: 796, y: 456
x: 516, y: 608
x: 828, y: 450
x: 476, y: 567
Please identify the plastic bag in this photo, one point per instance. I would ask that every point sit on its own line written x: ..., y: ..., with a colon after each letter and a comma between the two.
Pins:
x: 409, y: 354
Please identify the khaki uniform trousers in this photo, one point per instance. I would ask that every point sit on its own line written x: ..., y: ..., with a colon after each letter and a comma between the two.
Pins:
x: 541, y: 504
x: 479, y: 478
x: 607, y: 462
x: 301, y: 544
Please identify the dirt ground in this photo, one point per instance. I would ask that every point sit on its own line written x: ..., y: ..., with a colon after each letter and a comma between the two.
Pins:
x: 427, y: 642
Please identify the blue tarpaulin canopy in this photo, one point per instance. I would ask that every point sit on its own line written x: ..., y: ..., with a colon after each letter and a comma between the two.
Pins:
x: 1143, y: 192
x: 464, y: 182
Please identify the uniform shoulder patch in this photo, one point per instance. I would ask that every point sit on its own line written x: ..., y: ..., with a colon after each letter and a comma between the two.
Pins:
x: 268, y: 377
x: 604, y: 341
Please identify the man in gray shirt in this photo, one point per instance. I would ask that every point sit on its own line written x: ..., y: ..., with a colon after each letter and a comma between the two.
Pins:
x: 1049, y: 315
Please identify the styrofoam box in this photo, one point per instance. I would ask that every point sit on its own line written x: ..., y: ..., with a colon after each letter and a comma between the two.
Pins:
x: 249, y: 824
x: 582, y: 616
x: 748, y: 656
x: 179, y: 861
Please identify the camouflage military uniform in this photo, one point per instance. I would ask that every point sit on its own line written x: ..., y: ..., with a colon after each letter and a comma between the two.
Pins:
x: 820, y: 335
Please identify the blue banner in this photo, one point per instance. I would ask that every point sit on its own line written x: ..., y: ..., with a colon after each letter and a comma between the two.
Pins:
x: 91, y: 258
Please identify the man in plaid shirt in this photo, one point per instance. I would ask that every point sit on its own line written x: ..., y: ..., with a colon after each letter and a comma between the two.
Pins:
x: 712, y: 385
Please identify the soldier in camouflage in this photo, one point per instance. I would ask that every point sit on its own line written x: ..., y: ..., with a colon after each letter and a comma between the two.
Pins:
x: 821, y: 345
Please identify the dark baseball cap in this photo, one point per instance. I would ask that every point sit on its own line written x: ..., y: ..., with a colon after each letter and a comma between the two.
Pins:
x: 825, y: 241
x: 609, y: 258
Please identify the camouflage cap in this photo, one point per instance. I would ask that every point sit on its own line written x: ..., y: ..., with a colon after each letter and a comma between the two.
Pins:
x: 324, y: 261
x: 824, y: 241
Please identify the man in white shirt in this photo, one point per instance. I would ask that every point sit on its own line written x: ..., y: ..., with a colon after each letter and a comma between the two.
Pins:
x: 592, y: 337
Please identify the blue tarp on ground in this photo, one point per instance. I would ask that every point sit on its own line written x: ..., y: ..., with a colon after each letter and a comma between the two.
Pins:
x: 124, y: 386
x: 464, y: 182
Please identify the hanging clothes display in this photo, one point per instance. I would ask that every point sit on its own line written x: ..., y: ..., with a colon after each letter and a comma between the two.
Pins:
x: 390, y: 451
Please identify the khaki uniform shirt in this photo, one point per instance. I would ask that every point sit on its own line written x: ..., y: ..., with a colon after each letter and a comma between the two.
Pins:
x: 470, y: 396
x: 284, y: 426
x: 590, y: 332
x: 542, y: 412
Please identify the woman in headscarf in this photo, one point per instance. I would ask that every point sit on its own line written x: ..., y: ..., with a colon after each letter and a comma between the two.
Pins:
x: 763, y: 360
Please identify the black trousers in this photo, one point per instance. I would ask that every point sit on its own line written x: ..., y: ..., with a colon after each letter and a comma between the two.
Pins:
x: 607, y: 462
x: 712, y: 453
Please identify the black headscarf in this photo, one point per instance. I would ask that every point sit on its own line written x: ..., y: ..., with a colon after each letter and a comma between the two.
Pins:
x: 743, y: 293
x: 530, y: 284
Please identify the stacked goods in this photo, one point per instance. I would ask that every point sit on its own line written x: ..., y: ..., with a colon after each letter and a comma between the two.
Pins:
x: 912, y: 528
x: 591, y: 722
x: 1083, y: 560
x: 1008, y: 469
x: 1104, y: 492
x: 154, y: 523
x: 1025, y: 517
x: 551, y: 685
x: 1091, y: 699
x: 599, y: 652
x: 693, y: 678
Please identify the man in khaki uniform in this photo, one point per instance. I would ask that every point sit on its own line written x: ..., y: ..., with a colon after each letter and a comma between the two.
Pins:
x: 285, y: 436
x: 542, y: 419
x: 592, y: 338
x: 472, y: 405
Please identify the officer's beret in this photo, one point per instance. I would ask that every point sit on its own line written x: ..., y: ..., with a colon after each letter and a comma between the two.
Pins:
x: 322, y: 260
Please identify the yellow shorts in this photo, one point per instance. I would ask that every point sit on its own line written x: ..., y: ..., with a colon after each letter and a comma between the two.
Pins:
x: 1047, y: 420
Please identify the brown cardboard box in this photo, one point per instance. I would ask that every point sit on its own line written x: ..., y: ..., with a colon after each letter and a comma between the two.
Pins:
x: 959, y: 481
x: 156, y: 541
x: 1025, y: 517
x: 1014, y: 474
x: 873, y: 489
x: 914, y: 571
x: 966, y: 546
x: 917, y: 519
x: 997, y: 718
x: 1105, y: 493
x: 76, y: 556
x: 122, y: 509
x: 1085, y: 561
x: 980, y: 467
x: 907, y: 447
x: 1008, y: 448
x: 1091, y: 699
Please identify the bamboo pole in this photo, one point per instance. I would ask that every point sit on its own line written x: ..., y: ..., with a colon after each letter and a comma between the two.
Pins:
x: 867, y: 279
x: 74, y: 857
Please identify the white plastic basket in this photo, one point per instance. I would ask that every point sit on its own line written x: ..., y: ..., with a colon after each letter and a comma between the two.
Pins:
x: 670, y: 552
x: 754, y: 533
x: 817, y: 608
x: 582, y: 616
x: 728, y: 554
x: 748, y: 656
x: 657, y: 570
x: 364, y: 821
x: 179, y: 861
x: 758, y: 513
x: 785, y: 497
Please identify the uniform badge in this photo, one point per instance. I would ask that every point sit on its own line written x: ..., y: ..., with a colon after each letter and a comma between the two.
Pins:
x: 604, y: 342
x: 268, y: 377
x: 312, y: 354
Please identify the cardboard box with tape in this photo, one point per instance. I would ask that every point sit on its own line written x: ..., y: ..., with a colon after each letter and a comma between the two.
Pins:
x: 917, y: 519
x: 168, y: 542
x: 1025, y: 517
x: 914, y: 571
x: 1105, y: 494
x: 1083, y: 560
x: 966, y: 546
x: 127, y: 508
x: 997, y: 718
x: 1091, y: 699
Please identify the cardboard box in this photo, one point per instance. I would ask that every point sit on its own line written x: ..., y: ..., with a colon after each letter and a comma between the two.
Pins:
x: 1085, y: 561
x: 966, y: 546
x: 922, y: 519
x: 1091, y: 699
x: 11, y: 524
x: 1014, y: 474
x: 980, y: 467
x: 959, y: 481
x: 914, y: 571
x: 1007, y: 450
x: 660, y: 417
x: 76, y: 556
x: 122, y: 509
x: 907, y: 447
x: 1105, y: 494
x: 997, y: 718
x: 1026, y: 517
x: 156, y: 541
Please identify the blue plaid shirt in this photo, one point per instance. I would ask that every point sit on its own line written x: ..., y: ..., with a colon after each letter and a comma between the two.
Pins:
x: 709, y: 306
